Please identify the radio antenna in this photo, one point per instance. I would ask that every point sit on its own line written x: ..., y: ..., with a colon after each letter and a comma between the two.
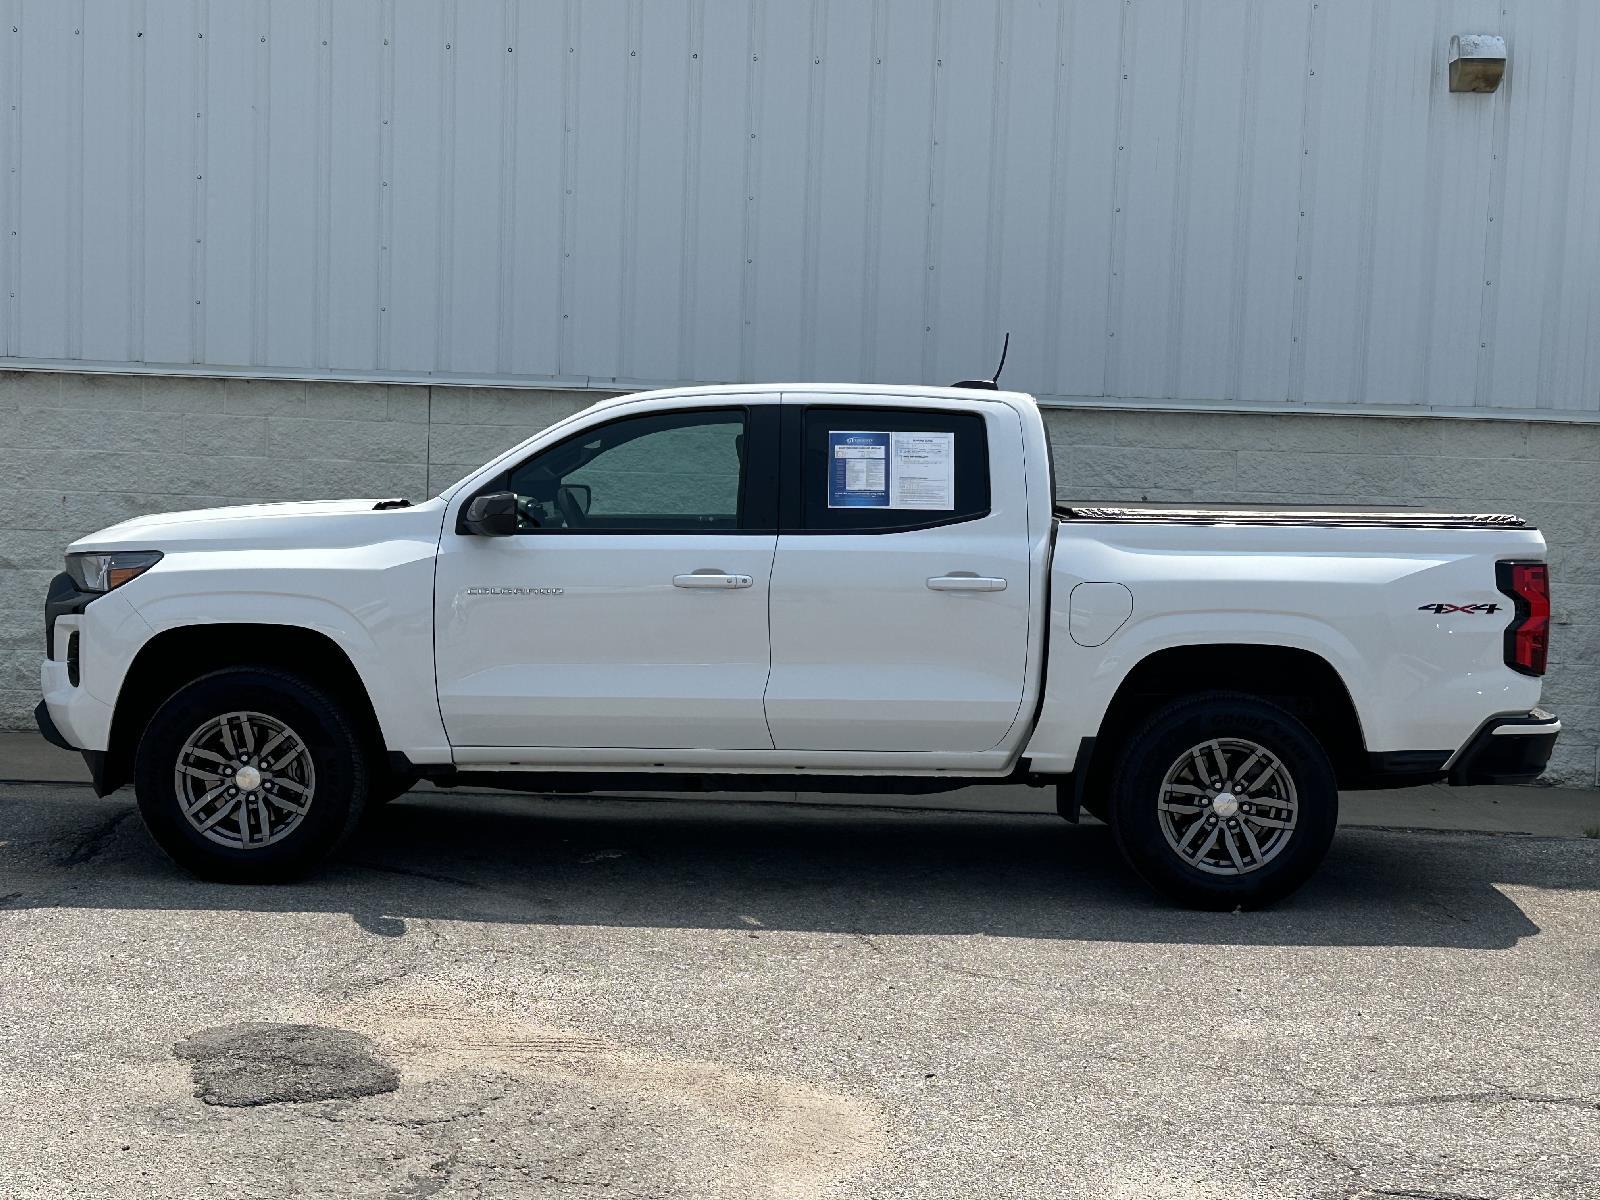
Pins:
x: 991, y: 384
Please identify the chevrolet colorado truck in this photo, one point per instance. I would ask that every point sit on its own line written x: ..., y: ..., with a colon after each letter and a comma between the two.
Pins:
x: 817, y: 587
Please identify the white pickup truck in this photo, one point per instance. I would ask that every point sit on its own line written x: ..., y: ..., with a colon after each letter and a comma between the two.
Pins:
x: 822, y: 587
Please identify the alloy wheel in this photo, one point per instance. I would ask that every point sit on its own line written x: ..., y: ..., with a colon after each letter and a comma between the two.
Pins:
x: 244, y: 780
x: 1228, y: 806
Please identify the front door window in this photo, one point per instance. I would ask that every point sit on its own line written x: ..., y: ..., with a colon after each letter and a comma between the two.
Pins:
x: 680, y: 472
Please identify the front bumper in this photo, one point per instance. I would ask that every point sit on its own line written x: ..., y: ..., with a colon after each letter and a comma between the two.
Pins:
x: 95, y: 760
x: 47, y: 727
x: 91, y: 638
x: 1507, y: 749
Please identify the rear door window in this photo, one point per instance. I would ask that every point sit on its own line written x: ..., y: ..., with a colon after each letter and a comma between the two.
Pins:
x: 884, y: 470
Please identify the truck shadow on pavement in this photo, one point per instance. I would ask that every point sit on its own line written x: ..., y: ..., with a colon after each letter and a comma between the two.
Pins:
x: 747, y: 866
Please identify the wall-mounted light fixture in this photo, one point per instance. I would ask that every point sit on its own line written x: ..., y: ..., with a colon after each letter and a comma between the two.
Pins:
x: 1477, y: 62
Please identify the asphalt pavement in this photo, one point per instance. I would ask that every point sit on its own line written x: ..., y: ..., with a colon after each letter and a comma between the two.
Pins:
x: 496, y: 997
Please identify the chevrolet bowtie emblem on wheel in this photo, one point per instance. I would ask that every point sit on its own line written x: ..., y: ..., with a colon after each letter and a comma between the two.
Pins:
x: 514, y: 591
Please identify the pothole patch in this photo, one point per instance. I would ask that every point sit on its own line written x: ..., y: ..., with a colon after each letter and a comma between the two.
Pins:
x: 259, y: 1062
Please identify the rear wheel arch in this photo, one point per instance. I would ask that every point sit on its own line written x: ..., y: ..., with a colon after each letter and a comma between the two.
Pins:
x: 176, y: 657
x: 1301, y: 682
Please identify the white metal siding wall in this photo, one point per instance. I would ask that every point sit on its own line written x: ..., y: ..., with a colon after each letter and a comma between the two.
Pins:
x: 1220, y: 200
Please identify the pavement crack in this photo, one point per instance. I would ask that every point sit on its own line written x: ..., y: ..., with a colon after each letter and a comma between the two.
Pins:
x: 93, y: 844
x: 349, y: 986
x: 1486, y: 1096
x: 866, y: 940
x: 384, y: 967
x: 411, y: 873
x: 1447, y: 914
x: 988, y: 976
x: 470, y: 1113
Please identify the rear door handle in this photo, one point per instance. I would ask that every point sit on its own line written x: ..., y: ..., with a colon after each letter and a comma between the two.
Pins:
x: 967, y: 583
x: 711, y: 579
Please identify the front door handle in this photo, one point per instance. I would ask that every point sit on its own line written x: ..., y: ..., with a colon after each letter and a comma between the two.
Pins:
x: 962, y: 582
x: 711, y: 579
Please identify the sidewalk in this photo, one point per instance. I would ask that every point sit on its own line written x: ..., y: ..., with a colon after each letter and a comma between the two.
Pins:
x: 1543, y: 812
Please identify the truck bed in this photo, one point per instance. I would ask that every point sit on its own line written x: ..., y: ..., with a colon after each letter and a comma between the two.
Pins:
x: 1352, y: 518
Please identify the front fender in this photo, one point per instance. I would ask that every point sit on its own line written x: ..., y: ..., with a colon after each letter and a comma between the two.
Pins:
x: 379, y: 615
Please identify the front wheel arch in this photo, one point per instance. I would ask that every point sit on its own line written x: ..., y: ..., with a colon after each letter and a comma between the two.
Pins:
x: 176, y: 657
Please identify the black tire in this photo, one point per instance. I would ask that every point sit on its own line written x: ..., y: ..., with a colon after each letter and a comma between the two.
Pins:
x: 334, y: 761
x: 1164, y: 742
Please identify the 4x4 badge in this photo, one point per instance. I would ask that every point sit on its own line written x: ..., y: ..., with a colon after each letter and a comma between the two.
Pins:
x: 1441, y: 609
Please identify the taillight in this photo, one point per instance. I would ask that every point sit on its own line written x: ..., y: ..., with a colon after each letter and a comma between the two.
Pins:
x: 1528, y: 635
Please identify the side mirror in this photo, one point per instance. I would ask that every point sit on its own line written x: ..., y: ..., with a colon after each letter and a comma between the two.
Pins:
x: 493, y: 514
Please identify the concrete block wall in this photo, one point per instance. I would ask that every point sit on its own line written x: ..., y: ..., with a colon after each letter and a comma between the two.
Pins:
x: 78, y: 452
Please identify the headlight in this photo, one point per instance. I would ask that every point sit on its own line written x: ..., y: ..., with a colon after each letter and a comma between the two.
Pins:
x: 100, y: 572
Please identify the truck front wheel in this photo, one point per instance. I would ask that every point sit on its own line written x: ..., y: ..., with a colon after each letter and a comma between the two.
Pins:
x: 1223, y: 801
x: 250, y: 775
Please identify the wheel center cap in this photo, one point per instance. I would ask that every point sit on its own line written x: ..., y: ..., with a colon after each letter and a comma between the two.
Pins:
x: 1225, y: 804
x: 247, y: 779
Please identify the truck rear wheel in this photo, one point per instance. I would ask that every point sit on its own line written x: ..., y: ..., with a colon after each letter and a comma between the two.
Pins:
x: 250, y: 775
x: 1223, y: 801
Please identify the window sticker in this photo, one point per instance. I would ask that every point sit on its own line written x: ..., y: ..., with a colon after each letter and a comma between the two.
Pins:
x: 891, y: 470
x: 858, y: 470
x: 923, y: 473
